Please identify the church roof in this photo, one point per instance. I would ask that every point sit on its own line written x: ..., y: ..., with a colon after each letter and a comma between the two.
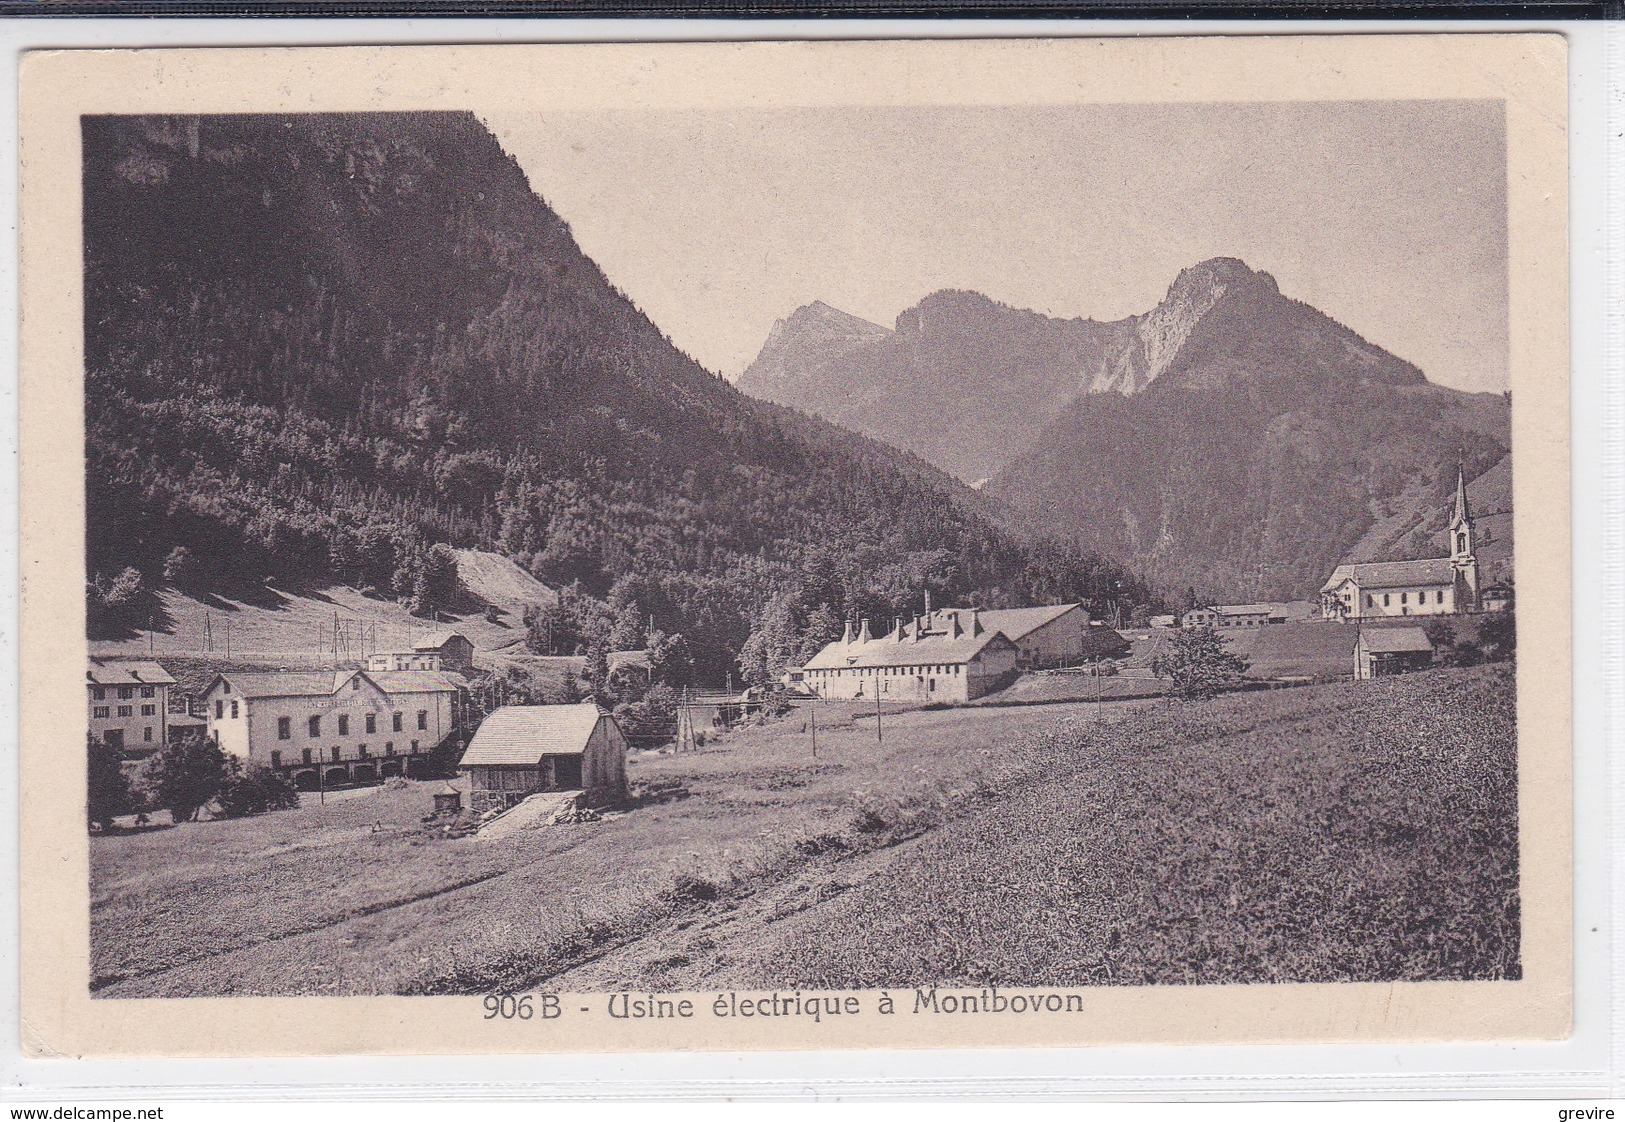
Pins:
x: 1460, y: 513
x: 1394, y: 574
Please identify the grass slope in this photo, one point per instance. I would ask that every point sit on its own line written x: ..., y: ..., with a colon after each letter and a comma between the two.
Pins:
x: 1361, y: 832
x: 284, y: 627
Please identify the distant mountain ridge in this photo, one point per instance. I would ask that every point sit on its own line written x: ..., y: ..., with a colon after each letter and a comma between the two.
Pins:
x: 968, y: 383
x: 1230, y: 439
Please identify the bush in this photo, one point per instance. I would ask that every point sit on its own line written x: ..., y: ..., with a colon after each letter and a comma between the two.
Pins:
x: 187, y: 775
x: 1197, y: 664
x: 109, y: 793
x: 255, y: 792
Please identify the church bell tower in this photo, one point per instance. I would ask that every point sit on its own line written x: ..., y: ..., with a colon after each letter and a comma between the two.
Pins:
x: 1461, y: 547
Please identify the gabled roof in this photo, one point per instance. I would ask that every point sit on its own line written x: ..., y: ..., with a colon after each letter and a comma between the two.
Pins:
x: 437, y: 639
x: 1395, y: 640
x: 1245, y: 609
x: 1018, y: 622
x: 417, y: 681
x: 523, y: 734
x: 127, y: 672
x: 1394, y: 574
x: 325, y: 683
x: 905, y: 650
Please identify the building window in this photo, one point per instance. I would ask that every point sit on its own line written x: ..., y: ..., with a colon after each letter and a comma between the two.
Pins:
x: 99, y: 693
x: 363, y: 750
x: 149, y: 710
x: 397, y: 722
x: 99, y: 711
x: 372, y: 722
x: 307, y: 755
x: 125, y: 693
x: 355, y: 683
x: 1404, y: 597
x: 335, y: 751
x: 284, y: 728
x: 389, y: 748
x: 276, y: 758
x: 1438, y: 597
x: 148, y: 691
x: 126, y: 710
x: 234, y: 710
x: 414, y: 746
x: 344, y: 724
x: 1385, y: 599
x: 315, y: 726
x: 423, y: 718
x: 219, y: 709
x: 146, y: 733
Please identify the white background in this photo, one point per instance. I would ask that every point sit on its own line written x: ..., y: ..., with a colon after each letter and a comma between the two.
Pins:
x: 1587, y: 1065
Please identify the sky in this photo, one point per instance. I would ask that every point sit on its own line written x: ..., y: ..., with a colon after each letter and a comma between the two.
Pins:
x: 1388, y: 216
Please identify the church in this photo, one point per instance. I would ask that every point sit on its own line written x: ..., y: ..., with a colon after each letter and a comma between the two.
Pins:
x: 1436, y: 586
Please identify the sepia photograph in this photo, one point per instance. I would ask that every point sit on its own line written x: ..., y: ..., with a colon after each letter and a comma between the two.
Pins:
x: 987, y: 554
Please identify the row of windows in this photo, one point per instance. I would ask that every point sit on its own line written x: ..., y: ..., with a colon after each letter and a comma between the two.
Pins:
x: 1404, y: 598
x: 284, y: 725
x: 125, y: 693
x: 123, y: 711
x: 308, y: 755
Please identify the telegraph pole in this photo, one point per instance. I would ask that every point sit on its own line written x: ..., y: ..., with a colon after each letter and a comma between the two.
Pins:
x: 812, y: 712
x: 879, y: 739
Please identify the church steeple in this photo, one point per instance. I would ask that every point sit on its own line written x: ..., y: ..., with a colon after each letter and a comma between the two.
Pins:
x: 1461, y: 547
x: 1461, y: 516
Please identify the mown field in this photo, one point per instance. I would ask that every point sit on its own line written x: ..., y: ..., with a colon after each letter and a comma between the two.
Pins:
x: 361, y: 898
x: 1355, y: 832
x: 1348, y: 831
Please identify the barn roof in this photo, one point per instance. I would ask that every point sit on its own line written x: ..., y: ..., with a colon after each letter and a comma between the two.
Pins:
x: 523, y: 734
x: 436, y: 640
x: 1394, y: 574
x: 1245, y: 609
x: 127, y: 672
x: 1018, y: 622
x: 1395, y: 640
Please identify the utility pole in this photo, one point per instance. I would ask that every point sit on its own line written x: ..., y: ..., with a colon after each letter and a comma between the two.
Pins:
x: 879, y: 739
x: 812, y: 712
x: 228, y: 637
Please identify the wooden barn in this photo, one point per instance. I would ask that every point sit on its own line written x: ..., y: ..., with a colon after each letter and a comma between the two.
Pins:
x: 522, y: 749
x: 1380, y: 652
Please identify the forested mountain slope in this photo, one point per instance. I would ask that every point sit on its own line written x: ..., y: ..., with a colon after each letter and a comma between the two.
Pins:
x: 316, y: 345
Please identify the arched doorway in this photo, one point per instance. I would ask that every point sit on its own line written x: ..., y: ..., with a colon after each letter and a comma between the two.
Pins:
x: 390, y: 769
x: 337, y: 776
x: 365, y: 773
x: 306, y: 781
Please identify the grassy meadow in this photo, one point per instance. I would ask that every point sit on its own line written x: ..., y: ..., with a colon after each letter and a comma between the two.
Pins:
x: 1354, y: 831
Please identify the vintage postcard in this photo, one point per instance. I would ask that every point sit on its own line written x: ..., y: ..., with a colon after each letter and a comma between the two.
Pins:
x: 795, y: 545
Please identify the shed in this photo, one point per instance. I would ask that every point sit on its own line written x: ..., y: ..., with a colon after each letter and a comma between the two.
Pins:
x: 448, y: 800
x: 1382, y: 651
x: 522, y: 749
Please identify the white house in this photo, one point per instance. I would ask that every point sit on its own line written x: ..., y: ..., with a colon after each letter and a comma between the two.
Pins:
x: 323, y: 727
x: 129, y: 703
x: 1434, y: 586
x: 954, y: 657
